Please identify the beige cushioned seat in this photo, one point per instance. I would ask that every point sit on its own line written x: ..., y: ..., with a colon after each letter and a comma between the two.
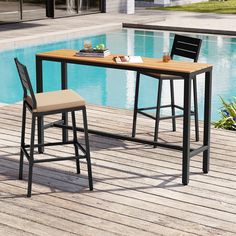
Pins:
x: 56, y: 100
x: 162, y: 76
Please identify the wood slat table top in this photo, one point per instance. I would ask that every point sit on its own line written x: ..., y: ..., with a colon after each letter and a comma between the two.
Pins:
x: 148, y: 63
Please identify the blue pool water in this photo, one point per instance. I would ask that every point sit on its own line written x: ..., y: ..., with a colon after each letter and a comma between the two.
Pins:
x: 116, y: 88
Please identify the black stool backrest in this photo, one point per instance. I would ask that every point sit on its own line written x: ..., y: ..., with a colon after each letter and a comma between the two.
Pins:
x: 185, y: 46
x: 25, y: 82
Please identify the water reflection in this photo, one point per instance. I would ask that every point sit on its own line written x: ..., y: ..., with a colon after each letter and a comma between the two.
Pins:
x: 216, y: 50
x: 115, y: 87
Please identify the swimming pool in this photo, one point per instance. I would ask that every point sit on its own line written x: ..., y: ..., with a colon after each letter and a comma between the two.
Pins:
x: 116, y: 88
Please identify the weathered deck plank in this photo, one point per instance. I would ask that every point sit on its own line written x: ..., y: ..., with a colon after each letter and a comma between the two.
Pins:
x: 137, y: 189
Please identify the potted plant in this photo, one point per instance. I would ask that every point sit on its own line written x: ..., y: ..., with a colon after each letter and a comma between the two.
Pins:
x: 228, y: 115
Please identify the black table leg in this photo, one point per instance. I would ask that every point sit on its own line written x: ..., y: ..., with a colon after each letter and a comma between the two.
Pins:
x: 186, y: 131
x: 207, y: 120
x: 64, y: 85
x: 135, y: 114
x: 39, y: 84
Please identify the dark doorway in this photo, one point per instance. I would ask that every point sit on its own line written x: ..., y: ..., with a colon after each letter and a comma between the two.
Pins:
x: 10, y: 11
x: 74, y: 7
x: 23, y: 10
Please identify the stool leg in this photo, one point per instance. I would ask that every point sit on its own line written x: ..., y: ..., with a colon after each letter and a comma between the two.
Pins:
x: 40, y: 134
x: 31, y: 161
x: 158, y: 110
x: 75, y: 139
x: 87, y: 149
x: 22, y: 141
x: 195, y: 109
x: 172, y: 96
x: 136, y: 104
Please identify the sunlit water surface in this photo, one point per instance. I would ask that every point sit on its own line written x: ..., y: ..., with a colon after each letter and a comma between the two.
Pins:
x: 115, y: 88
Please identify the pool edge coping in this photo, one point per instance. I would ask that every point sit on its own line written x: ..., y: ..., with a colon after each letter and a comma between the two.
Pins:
x: 179, y: 29
x: 23, y: 41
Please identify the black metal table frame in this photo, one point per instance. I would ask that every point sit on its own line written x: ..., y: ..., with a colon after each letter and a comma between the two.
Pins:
x: 187, y: 152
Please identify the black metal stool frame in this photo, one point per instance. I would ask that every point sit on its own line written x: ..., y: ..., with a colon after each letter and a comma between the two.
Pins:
x: 23, y: 73
x: 183, y: 46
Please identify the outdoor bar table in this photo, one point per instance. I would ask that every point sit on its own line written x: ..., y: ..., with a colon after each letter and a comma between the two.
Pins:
x: 187, y: 70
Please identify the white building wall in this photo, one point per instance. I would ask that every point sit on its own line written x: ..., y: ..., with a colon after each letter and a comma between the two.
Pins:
x: 120, y: 6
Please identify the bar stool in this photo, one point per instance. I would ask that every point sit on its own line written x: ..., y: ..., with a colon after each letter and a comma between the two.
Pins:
x: 183, y: 46
x: 49, y: 103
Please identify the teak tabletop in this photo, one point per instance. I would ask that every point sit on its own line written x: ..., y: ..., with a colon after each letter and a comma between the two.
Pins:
x: 148, y: 63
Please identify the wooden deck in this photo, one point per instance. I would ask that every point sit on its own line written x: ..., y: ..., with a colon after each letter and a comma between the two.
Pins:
x: 137, y: 189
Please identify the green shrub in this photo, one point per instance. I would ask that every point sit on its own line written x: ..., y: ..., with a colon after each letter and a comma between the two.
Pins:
x: 228, y: 115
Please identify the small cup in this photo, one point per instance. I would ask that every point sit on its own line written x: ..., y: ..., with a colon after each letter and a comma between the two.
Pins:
x: 166, y: 56
x: 87, y: 44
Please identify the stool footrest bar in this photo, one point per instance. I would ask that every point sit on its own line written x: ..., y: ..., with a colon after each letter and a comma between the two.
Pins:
x: 51, y: 144
x: 198, y: 150
x: 146, y: 108
x: 146, y: 114
x: 81, y: 147
x: 53, y: 124
x: 55, y: 159
x: 26, y: 153
x: 163, y: 117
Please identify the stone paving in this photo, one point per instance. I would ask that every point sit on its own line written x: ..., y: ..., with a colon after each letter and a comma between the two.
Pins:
x: 33, y: 32
x: 205, y: 22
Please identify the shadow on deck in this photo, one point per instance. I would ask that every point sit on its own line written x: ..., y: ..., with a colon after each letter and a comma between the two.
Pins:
x: 137, y: 189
